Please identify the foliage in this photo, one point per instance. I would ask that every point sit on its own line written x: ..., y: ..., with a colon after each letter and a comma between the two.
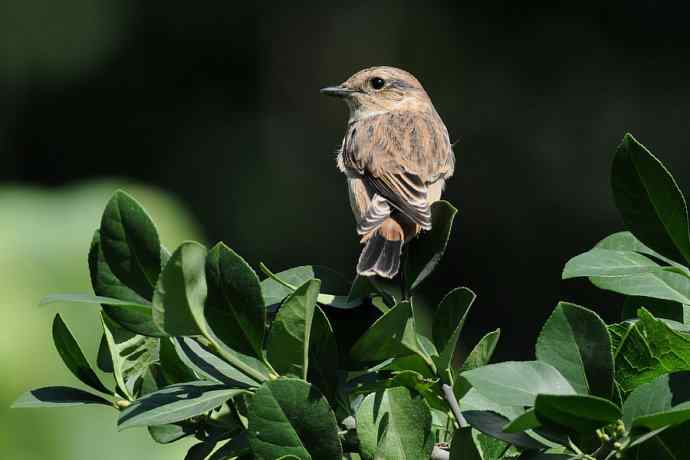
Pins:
x: 198, y: 345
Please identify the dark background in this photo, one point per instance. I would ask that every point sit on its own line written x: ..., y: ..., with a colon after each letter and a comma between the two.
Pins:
x: 218, y: 103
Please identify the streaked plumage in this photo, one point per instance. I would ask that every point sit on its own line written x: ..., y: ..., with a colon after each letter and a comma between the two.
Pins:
x: 396, y: 155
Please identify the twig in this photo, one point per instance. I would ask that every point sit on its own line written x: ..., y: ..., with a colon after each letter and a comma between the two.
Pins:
x: 449, y: 396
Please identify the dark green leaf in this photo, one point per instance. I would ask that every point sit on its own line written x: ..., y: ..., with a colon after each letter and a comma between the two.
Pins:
x: 172, y: 366
x: 669, y: 444
x: 130, y: 353
x: 291, y: 417
x: 104, y: 360
x: 235, y: 307
x: 209, y: 366
x: 130, y: 244
x: 649, y: 349
x: 392, y: 425
x: 200, y: 450
x: 175, y: 403
x: 73, y: 357
x: 659, y: 308
x: 448, y: 322
x: 57, y: 397
x: 237, y: 446
x: 426, y: 251
x: 136, y: 314
x: 492, y: 424
x: 323, y: 356
x: 463, y: 447
x: 582, y: 413
x: 652, y: 205
x: 517, y: 383
x: 392, y: 335
x: 524, y: 422
x: 165, y: 434
x: 181, y: 288
x: 288, y: 340
x: 607, y: 263
x: 575, y: 341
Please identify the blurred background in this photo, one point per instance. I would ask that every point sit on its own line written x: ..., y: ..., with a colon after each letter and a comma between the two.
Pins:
x: 210, y: 115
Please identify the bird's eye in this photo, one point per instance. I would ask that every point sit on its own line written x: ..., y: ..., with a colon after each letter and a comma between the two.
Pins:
x: 377, y: 82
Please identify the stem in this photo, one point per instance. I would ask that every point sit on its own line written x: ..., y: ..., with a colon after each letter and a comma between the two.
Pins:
x: 275, y: 278
x: 403, y: 280
x: 449, y: 396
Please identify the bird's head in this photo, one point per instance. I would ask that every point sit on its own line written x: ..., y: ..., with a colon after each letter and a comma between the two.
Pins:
x: 380, y: 89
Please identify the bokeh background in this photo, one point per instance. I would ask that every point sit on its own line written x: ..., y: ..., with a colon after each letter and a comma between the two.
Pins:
x: 210, y: 114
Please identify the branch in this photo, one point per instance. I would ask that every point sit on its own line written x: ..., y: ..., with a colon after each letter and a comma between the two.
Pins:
x: 440, y: 454
x: 449, y: 396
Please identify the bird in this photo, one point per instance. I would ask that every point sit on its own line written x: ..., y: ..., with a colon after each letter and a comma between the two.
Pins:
x: 397, y: 156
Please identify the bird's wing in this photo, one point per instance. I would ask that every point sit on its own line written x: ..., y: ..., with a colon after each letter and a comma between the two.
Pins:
x: 398, y: 154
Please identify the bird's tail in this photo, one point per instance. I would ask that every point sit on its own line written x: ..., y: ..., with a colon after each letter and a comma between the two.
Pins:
x: 381, y: 254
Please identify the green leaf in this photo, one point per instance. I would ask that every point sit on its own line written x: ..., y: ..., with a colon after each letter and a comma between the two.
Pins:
x: 479, y: 356
x: 165, y: 434
x: 135, y: 314
x: 392, y: 335
x: 670, y: 417
x: 524, y: 422
x: 288, y: 340
x: 492, y: 424
x: 517, y: 383
x: 660, y: 284
x: 235, y: 307
x: 209, y: 366
x: 575, y: 341
x: 181, y: 288
x: 323, y: 356
x: 290, y: 417
x: 463, y: 447
x: 650, y: 398
x: 394, y: 425
x: 175, y: 403
x: 649, y: 349
x: 607, y: 263
x: 482, y: 352
x: 473, y: 400
x: 652, y: 205
x: 57, y: 397
x: 626, y: 241
x: 73, y: 357
x: 582, y: 413
x: 130, y: 353
x: 336, y: 291
x: 130, y: 244
x: 448, y: 322
x: 426, y: 251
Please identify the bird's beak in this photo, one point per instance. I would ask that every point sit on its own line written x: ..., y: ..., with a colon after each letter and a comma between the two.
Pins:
x: 337, y: 91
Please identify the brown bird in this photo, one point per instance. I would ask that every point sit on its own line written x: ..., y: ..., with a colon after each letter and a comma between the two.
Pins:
x: 396, y: 155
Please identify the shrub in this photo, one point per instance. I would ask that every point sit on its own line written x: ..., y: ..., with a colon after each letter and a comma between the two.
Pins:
x: 198, y: 345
